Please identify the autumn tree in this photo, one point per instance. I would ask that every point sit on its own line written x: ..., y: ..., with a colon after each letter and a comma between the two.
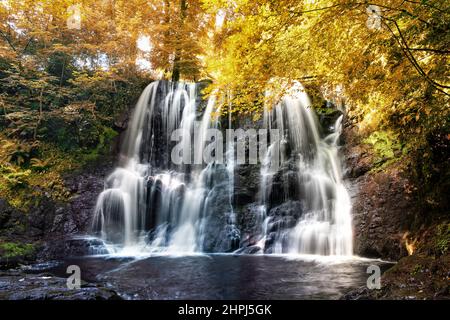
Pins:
x: 389, y: 59
x: 178, y: 32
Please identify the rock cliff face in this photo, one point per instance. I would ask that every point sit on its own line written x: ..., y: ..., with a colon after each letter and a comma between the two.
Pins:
x: 382, y: 209
x: 391, y: 222
x: 383, y: 205
x: 75, y: 217
x: 50, y: 223
x: 385, y: 212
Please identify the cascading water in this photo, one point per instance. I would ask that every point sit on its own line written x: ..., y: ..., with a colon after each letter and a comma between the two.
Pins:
x: 148, y: 203
x: 151, y: 204
x: 325, y: 226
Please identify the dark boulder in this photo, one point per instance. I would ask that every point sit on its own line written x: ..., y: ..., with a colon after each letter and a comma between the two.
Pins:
x: 73, y: 247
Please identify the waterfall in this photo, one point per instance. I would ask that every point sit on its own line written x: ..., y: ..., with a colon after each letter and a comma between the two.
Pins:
x: 152, y: 204
x: 148, y: 203
x: 325, y: 226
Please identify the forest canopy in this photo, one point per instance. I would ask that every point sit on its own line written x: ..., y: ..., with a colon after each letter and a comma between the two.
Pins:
x: 85, y: 62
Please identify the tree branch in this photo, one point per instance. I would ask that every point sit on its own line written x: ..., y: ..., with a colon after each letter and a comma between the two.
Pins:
x: 404, y: 46
x: 400, y: 39
x: 426, y: 5
x: 358, y: 4
x: 8, y: 40
x: 431, y: 50
x: 26, y: 46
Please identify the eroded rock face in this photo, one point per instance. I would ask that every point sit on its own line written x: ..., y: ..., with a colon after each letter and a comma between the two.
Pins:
x: 64, y: 247
x: 49, y: 223
x: 76, y: 217
x: 221, y: 234
x: 250, y: 219
x: 383, y: 207
x: 246, y: 184
x: 381, y: 211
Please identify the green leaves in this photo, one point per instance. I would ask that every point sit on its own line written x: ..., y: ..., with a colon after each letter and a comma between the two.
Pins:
x: 13, y: 250
x: 15, y: 177
x: 385, y: 144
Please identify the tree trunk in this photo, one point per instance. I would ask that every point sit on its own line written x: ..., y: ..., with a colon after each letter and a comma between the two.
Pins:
x: 176, y: 72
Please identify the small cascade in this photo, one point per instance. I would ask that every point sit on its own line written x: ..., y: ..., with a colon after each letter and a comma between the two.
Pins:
x: 324, y: 227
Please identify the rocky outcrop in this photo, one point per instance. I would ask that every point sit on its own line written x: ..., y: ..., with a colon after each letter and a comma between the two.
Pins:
x: 383, y: 205
x: 246, y: 184
x: 17, y: 285
x: 49, y: 223
x: 382, y: 212
x: 422, y: 275
x: 74, y: 217
x: 10, y: 217
x: 71, y: 246
x: 249, y: 221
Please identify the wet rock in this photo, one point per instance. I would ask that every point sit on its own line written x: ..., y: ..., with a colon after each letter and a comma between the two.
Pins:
x: 246, y: 184
x: 56, y: 223
x: 250, y: 219
x: 21, y: 286
x: 289, y: 209
x: 221, y: 233
x: 361, y: 293
x: 249, y: 250
x: 65, y: 248
x: 327, y: 118
x: 282, y: 219
x: 285, y: 183
x: 77, y: 215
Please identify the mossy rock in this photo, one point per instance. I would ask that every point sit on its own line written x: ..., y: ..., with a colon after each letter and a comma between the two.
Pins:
x: 13, y: 254
x: 13, y: 250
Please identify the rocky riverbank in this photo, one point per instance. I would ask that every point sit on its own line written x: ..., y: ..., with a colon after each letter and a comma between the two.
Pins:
x: 19, y: 285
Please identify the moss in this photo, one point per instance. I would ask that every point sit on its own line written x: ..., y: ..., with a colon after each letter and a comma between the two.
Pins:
x: 13, y: 250
x: 17, y: 179
x: 325, y: 110
x: 386, y: 146
x: 442, y: 239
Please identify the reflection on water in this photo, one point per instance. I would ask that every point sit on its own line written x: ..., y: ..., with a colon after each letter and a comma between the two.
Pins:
x: 224, y: 276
